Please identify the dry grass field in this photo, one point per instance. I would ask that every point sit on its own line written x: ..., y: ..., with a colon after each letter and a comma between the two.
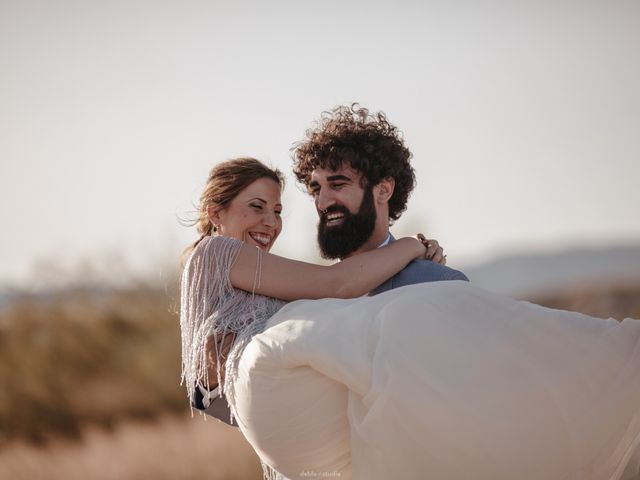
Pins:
x: 170, y: 448
x: 82, y: 357
x: 90, y: 387
x: 617, y: 301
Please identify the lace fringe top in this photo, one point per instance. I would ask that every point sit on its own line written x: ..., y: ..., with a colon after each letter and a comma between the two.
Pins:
x: 210, y: 305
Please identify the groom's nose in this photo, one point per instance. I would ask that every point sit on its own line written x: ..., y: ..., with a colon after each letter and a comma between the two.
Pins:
x: 324, y: 200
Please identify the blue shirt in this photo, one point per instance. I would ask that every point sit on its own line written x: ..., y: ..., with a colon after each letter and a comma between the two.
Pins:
x: 419, y: 271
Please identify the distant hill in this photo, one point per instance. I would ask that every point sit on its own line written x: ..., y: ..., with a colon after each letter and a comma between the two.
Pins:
x: 537, y: 274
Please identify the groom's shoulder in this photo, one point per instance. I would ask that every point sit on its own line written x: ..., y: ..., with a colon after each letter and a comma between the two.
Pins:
x: 427, y: 271
x: 419, y: 271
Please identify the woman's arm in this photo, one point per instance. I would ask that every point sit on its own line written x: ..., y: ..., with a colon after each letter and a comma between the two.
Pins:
x: 292, y: 280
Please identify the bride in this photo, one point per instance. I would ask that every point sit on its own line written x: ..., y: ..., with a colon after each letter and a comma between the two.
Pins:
x: 441, y: 380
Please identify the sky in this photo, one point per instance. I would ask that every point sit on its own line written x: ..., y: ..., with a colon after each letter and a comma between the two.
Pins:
x: 523, y: 119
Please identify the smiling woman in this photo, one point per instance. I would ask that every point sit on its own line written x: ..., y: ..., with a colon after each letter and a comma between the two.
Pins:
x: 235, y: 178
x: 253, y: 216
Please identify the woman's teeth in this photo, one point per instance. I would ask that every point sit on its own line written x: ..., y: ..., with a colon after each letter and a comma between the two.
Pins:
x: 260, y: 238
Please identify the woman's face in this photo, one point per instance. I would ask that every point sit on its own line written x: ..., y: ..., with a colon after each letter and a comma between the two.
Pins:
x: 253, y: 216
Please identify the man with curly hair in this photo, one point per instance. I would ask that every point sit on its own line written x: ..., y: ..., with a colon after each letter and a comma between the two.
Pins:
x: 357, y: 169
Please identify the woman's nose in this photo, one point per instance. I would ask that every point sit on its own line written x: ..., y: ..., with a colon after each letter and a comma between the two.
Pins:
x: 269, y: 219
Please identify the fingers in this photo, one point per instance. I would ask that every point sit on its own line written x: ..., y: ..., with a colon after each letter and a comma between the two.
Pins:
x: 435, y: 253
x: 432, y: 249
x: 226, y: 345
x: 210, y: 348
x: 438, y: 256
x: 212, y: 359
x: 424, y: 242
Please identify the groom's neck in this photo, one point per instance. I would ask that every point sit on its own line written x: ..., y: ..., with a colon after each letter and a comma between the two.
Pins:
x: 378, y: 236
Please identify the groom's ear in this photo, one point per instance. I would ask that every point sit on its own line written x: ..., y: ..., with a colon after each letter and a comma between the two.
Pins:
x: 383, y: 191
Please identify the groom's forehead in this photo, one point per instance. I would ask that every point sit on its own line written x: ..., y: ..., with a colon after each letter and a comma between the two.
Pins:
x: 343, y: 172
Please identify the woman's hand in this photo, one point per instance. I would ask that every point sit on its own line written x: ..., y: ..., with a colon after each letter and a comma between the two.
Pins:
x: 212, y: 363
x: 434, y: 250
x: 416, y: 245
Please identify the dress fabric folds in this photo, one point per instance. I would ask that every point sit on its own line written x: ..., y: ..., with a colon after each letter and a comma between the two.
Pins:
x: 441, y: 380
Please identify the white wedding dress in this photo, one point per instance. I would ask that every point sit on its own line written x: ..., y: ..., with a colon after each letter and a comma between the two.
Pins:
x: 442, y: 381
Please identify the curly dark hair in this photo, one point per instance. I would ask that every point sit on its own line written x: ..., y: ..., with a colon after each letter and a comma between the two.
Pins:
x: 368, y: 143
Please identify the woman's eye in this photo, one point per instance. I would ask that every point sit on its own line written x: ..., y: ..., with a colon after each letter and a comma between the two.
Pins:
x: 278, y: 212
x: 257, y: 207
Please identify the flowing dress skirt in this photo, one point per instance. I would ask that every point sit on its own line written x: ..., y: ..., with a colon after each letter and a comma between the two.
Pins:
x: 442, y: 381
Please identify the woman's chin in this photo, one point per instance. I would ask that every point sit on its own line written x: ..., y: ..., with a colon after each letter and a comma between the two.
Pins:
x: 264, y: 248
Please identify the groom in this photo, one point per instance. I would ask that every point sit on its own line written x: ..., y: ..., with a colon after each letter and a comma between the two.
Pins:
x: 356, y: 168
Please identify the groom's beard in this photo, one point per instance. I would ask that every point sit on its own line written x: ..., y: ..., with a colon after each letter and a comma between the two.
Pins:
x: 342, y: 240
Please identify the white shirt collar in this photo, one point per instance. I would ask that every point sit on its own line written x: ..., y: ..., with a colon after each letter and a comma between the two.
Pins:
x: 387, y: 240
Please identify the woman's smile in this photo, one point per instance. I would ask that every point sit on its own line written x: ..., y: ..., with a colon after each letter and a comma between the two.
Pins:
x: 253, y: 216
x: 263, y: 240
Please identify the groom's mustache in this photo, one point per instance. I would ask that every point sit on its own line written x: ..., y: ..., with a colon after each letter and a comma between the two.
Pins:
x: 324, y: 214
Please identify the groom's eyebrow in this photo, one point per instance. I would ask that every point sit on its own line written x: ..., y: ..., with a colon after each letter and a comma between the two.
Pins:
x: 313, y: 184
x: 343, y: 178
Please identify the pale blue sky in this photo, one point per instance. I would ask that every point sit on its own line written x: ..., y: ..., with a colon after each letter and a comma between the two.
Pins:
x: 523, y: 117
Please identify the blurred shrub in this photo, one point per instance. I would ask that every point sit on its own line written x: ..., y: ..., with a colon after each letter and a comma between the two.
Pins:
x: 617, y: 301
x: 87, y: 357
